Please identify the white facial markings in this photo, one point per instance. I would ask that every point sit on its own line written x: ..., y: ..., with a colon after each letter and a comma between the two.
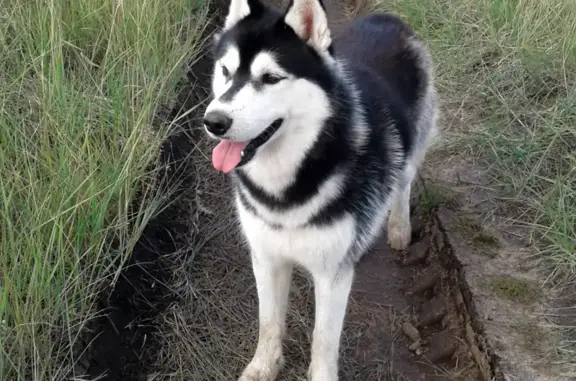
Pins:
x: 258, y: 103
x: 231, y: 61
x: 265, y: 63
x: 277, y: 162
x: 252, y: 108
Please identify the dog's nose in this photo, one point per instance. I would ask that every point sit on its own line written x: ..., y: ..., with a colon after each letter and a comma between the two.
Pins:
x: 217, y: 122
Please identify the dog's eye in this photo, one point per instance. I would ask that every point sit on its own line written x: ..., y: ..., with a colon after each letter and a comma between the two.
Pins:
x: 225, y: 72
x: 271, y: 79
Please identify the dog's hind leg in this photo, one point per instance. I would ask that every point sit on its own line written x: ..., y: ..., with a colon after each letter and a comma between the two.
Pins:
x: 399, y: 229
x: 273, y: 277
x: 331, y: 292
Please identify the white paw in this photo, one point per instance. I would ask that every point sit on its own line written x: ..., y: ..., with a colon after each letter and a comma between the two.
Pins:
x: 263, y: 369
x: 322, y: 373
x: 399, y: 234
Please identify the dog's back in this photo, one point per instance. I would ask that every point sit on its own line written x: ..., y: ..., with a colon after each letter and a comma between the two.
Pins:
x: 388, y: 47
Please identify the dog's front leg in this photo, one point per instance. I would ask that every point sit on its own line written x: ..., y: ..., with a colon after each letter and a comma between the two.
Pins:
x: 273, y: 277
x: 331, y: 290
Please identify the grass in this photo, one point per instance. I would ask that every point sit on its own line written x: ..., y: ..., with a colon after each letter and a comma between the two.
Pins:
x: 80, y: 83
x: 433, y: 195
x: 507, y: 70
x: 533, y: 335
x: 478, y: 235
x: 516, y: 290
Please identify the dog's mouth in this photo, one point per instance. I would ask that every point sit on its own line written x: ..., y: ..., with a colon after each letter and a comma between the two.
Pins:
x: 228, y: 154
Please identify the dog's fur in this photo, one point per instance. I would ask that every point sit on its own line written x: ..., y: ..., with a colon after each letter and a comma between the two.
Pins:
x: 356, y: 115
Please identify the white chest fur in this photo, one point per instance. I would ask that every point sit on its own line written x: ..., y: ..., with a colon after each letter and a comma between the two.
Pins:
x: 314, y: 248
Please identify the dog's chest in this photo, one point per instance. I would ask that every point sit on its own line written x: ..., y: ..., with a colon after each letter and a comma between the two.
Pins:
x: 315, y: 248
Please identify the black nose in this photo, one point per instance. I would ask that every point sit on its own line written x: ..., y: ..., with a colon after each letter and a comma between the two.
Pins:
x: 217, y: 122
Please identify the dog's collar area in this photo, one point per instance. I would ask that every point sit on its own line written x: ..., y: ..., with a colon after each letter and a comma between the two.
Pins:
x: 250, y: 150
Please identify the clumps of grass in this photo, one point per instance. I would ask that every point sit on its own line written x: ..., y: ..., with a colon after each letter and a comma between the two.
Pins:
x: 508, y: 68
x: 533, y: 335
x: 486, y: 240
x: 516, y: 290
x: 478, y: 235
x: 81, y: 82
x: 433, y: 195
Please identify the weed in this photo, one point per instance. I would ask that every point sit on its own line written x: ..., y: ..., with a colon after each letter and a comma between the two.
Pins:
x: 478, y: 235
x: 516, y: 290
x: 432, y: 196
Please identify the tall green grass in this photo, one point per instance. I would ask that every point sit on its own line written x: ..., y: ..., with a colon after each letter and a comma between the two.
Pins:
x: 80, y: 82
x: 509, y: 68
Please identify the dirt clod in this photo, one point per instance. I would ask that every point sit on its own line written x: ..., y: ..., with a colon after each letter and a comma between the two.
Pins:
x: 416, y: 346
x: 433, y: 312
x: 418, y: 254
x: 412, y: 332
x: 441, y: 347
x: 424, y: 282
x: 418, y: 222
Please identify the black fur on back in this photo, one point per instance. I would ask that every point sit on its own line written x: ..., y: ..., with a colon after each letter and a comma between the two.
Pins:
x: 382, y: 43
x: 386, y: 72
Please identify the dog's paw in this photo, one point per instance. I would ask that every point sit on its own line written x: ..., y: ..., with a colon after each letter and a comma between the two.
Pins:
x: 322, y: 373
x: 399, y: 234
x: 261, y: 369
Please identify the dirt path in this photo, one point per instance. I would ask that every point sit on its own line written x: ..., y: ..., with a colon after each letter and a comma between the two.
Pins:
x: 425, y: 336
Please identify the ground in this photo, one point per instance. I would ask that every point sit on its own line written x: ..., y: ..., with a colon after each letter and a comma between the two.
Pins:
x: 471, y: 300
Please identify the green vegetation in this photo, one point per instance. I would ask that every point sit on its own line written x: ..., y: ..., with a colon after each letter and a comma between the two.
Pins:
x: 433, y: 195
x: 507, y: 70
x: 516, y: 290
x: 80, y: 82
x: 478, y: 235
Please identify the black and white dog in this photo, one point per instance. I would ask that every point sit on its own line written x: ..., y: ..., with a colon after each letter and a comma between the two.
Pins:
x: 322, y: 138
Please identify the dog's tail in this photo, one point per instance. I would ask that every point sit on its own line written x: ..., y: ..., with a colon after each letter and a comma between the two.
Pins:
x: 408, y: 65
x: 424, y: 102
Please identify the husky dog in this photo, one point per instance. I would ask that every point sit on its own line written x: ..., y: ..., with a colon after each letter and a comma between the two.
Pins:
x: 322, y: 138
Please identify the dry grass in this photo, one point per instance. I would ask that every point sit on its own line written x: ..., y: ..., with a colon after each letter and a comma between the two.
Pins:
x: 80, y: 84
x: 507, y: 70
x: 211, y: 334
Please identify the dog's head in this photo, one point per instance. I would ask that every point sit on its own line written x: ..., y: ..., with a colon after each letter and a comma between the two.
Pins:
x: 269, y: 70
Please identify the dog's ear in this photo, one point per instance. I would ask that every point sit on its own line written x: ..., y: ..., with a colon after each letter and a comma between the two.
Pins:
x: 240, y: 9
x: 309, y: 21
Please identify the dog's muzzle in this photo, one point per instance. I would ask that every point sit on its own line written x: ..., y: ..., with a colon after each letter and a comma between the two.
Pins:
x: 259, y: 140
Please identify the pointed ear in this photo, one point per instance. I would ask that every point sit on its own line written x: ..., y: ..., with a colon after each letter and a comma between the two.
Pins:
x: 309, y: 21
x: 240, y: 9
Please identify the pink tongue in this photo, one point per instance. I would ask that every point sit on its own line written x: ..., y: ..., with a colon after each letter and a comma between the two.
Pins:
x: 227, y: 155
